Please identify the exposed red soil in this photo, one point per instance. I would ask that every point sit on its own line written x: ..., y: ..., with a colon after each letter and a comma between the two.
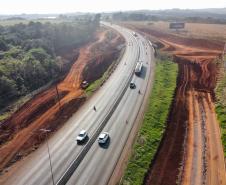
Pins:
x: 20, y: 134
x: 191, y: 151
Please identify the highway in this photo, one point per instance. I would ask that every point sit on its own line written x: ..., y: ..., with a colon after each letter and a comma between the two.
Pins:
x: 115, y: 103
x: 99, y: 163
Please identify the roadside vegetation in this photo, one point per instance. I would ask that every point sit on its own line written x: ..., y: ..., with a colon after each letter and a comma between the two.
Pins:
x: 29, y: 54
x: 221, y: 107
x: 99, y: 82
x: 153, y: 126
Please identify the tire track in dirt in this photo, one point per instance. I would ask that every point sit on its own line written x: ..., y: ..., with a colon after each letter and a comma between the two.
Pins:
x: 215, y: 174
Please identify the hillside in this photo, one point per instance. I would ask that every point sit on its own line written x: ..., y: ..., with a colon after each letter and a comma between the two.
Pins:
x: 31, y: 54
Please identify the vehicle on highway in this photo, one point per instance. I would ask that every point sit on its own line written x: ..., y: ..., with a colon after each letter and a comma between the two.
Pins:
x: 132, y: 85
x: 135, y: 34
x: 103, y: 137
x: 138, y: 68
x: 84, y: 84
x: 82, y: 136
x: 94, y: 108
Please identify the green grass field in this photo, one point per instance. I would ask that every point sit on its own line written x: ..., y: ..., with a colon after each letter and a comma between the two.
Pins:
x: 221, y: 108
x: 153, y: 126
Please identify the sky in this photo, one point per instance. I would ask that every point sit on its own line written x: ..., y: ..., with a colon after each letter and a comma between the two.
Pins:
x: 69, y: 6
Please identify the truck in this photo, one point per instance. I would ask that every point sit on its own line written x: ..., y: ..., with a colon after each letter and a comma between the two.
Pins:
x: 138, y: 68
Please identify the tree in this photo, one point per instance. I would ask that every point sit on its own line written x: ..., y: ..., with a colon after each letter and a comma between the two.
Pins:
x: 97, y: 19
x: 3, y: 45
x: 39, y: 54
x: 7, y: 90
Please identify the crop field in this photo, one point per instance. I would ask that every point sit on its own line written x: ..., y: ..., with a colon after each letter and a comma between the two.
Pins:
x: 194, y: 30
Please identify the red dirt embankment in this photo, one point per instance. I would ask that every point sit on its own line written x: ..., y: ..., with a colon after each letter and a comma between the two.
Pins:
x: 191, y: 151
x: 20, y: 134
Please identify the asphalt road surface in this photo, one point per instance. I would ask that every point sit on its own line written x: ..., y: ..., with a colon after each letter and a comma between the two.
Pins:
x: 117, y: 108
x: 99, y: 163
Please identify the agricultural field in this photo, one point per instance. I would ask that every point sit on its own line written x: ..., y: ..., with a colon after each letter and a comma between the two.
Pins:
x: 192, y: 30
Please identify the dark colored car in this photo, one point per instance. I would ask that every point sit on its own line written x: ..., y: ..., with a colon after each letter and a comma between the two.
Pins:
x: 132, y: 85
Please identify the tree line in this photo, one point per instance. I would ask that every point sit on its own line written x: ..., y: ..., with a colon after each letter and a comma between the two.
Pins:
x: 166, y: 16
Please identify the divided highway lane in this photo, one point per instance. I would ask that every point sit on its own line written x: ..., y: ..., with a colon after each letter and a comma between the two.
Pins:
x: 99, y: 163
x: 35, y: 169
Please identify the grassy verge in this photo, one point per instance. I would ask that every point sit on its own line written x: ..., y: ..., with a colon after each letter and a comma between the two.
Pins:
x: 99, y: 82
x: 221, y: 108
x: 153, y: 126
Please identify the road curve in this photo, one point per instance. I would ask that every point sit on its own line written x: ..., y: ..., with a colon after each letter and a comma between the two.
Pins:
x: 35, y: 170
x: 99, y: 163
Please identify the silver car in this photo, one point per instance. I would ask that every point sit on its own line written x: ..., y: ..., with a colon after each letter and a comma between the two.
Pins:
x: 82, y: 136
x: 103, y: 137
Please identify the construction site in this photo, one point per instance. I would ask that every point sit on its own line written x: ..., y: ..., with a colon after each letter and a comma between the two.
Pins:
x: 21, y: 134
x: 191, y: 150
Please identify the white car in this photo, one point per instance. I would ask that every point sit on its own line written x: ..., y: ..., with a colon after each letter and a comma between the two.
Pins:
x: 82, y: 136
x: 134, y: 34
x: 103, y: 137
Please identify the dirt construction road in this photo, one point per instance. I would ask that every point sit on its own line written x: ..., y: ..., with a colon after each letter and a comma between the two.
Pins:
x: 191, y: 152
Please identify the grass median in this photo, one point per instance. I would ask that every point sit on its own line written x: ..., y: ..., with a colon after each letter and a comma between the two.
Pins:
x: 153, y: 126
